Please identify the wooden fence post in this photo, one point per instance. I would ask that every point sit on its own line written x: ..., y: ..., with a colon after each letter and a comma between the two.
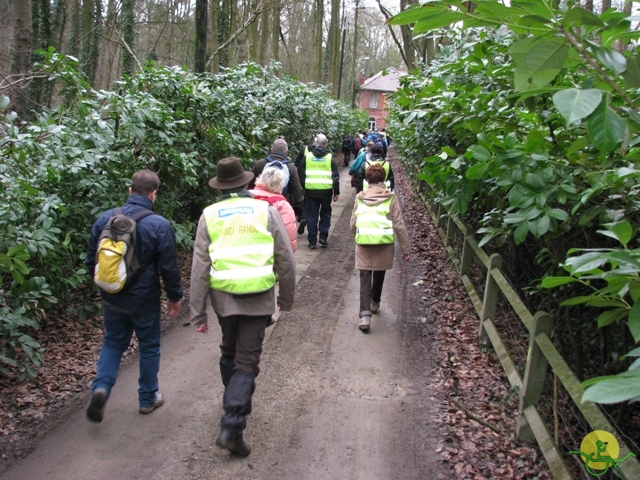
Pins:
x: 534, y: 375
x: 450, y: 231
x: 466, y: 257
x: 490, y: 300
x: 442, y: 212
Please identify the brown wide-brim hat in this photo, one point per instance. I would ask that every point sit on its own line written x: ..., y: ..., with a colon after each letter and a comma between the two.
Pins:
x: 230, y: 174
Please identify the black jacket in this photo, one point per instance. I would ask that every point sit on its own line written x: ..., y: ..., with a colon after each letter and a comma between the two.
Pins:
x: 335, y: 175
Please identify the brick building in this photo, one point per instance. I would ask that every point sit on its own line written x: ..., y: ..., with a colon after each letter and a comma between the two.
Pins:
x: 374, y: 93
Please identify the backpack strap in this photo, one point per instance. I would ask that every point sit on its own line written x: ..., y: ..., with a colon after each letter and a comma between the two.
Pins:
x: 140, y: 214
x: 283, y: 162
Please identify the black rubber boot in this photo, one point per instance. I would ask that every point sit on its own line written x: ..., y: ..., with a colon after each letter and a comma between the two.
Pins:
x: 231, y: 439
x: 237, y: 405
x: 226, y: 369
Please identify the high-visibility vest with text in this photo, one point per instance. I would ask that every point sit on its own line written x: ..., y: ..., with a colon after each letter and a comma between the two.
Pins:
x: 372, y: 225
x: 318, y: 172
x: 241, y: 248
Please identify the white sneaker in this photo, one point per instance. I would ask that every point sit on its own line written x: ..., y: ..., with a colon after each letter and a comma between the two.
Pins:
x: 365, y: 323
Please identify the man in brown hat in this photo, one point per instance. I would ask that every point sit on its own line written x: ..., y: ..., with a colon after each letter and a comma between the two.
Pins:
x: 241, y: 249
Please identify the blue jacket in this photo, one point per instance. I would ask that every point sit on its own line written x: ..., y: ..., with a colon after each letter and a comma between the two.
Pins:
x: 156, y: 251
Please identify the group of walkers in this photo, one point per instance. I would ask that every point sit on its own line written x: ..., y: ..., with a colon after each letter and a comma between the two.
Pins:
x: 244, y: 245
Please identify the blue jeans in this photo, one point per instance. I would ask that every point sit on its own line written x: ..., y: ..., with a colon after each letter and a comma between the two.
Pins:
x: 119, y: 328
x: 314, y: 208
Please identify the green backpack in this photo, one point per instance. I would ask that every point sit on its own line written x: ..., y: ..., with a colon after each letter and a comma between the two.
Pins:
x: 116, y: 261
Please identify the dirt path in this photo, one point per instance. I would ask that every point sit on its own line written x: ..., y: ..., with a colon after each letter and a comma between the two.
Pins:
x: 330, y: 402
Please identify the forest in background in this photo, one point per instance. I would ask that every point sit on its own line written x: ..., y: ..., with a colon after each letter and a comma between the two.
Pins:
x: 331, y: 44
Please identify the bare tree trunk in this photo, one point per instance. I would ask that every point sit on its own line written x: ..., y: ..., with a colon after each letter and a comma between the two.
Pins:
x: 263, y: 44
x: 200, y: 54
x: 588, y: 5
x: 39, y: 88
x: 128, y: 34
x: 59, y: 23
x: 318, y: 39
x: 253, y: 34
x: 275, y: 35
x: 213, y: 13
x: 354, y: 78
x: 95, y: 37
x: 334, y: 47
x: 111, y: 52
x: 431, y: 48
x: 233, y: 26
x: 628, y: 6
x: 74, y: 48
x: 224, y: 20
x: 407, y: 42
x: 21, y: 61
x: 606, y: 5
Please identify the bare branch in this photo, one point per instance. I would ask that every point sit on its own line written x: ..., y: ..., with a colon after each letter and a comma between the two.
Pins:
x: 388, y: 15
x: 128, y: 49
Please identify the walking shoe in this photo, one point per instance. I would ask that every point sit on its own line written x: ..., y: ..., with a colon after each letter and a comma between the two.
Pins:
x: 323, y: 242
x: 157, y: 404
x: 365, y: 323
x: 232, y: 440
x: 95, y: 411
x: 303, y: 223
x: 374, y: 306
x: 312, y: 246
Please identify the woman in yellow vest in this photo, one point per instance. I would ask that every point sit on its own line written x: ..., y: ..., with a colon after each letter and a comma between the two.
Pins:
x: 376, y: 222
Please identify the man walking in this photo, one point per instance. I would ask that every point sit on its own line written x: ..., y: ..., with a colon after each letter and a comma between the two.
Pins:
x: 293, y: 190
x: 321, y: 180
x: 241, y: 249
x: 137, y: 306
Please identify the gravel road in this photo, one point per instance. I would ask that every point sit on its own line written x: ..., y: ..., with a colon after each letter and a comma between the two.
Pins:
x: 330, y: 401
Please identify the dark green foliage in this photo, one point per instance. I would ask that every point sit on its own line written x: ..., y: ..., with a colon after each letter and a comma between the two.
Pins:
x: 530, y: 130
x: 60, y: 172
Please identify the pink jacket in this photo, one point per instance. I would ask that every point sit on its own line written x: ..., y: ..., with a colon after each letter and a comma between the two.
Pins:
x: 284, y: 209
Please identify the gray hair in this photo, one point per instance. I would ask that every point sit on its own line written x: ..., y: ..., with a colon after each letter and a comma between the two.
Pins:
x: 280, y: 145
x: 271, y: 179
x: 321, y: 140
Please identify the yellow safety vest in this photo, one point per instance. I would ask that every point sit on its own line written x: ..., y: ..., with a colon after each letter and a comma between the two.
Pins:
x: 386, y: 167
x: 241, y: 247
x: 372, y: 225
x: 318, y: 172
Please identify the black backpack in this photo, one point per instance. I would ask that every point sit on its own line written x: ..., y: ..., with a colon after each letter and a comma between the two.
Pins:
x: 282, y: 164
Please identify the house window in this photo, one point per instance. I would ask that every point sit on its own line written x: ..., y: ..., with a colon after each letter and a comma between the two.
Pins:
x: 372, y: 123
x: 373, y: 100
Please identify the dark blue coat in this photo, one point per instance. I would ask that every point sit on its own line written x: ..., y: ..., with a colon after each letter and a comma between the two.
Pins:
x: 156, y: 251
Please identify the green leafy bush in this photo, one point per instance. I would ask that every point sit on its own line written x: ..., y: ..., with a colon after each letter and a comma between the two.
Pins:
x: 75, y: 161
x: 526, y: 125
